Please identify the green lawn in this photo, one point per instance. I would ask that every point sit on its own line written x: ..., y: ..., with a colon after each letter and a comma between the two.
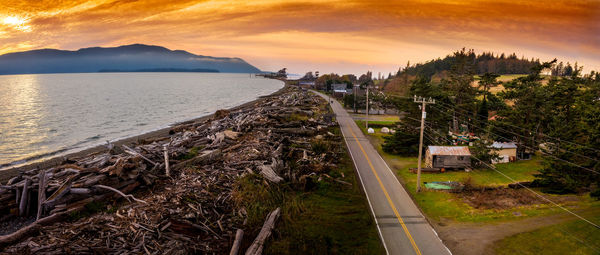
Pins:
x: 387, y: 119
x: 440, y: 205
x: 573, y: 237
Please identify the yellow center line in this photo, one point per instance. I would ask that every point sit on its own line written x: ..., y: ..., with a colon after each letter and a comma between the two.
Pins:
x: 387, y: 195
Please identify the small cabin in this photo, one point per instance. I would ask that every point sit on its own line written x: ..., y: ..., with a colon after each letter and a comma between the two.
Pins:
x: 507, y: 152
x: 448, y: 157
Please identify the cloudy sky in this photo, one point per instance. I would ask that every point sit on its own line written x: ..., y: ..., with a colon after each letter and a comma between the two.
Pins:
x: 349, y: 36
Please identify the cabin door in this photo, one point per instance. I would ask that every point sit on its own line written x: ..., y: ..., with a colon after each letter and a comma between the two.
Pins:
x: 438, y: 161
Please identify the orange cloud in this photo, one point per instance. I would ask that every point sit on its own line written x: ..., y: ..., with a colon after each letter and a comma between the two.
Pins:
x: 339, y: 36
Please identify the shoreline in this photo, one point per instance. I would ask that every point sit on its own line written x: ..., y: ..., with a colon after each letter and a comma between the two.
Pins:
x: 10, y: 172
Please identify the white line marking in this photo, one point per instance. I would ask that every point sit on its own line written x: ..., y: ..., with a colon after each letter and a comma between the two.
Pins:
x: 362, y: 184
x: 365, y: 189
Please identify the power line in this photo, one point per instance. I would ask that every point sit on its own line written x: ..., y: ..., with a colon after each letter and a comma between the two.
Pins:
x: 574, y: 153
x: 530, y: 190
x: 523, y: 186
x: 548, y: 154
x: 520, y: 184
x: 552, y: 202
x: 524, y: 129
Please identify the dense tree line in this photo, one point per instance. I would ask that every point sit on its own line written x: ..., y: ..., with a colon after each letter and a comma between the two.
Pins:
x: 483, y: 63
x: 558, y: 118
x: 325, y: 82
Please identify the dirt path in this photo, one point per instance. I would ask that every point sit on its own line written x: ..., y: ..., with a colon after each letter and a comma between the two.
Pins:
x: 478, y: 238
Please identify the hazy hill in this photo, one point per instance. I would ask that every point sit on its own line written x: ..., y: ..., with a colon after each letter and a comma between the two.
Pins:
x: 133, y: 57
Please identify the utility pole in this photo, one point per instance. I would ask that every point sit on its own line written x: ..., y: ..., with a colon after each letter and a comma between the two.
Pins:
x: 354, y: 92
x: 367, y: 103
x: 423, y: 103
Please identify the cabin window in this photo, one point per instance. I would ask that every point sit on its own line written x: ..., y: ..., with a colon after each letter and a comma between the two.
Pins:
x: 461, y: 158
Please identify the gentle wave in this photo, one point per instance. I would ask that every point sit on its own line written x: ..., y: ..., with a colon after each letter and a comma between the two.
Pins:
x: 43, y: 116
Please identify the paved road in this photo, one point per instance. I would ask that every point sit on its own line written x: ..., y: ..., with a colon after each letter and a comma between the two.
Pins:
x: 401, y: 226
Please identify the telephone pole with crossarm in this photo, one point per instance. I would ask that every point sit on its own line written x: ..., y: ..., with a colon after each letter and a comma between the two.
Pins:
x: 423, y: 103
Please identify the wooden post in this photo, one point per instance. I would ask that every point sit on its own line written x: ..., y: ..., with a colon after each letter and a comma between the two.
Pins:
x: 166, y: 153
x: 367, y: 119
x: 41, y: 193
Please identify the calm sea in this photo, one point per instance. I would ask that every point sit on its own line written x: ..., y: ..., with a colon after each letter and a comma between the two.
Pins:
x: 45, y: 115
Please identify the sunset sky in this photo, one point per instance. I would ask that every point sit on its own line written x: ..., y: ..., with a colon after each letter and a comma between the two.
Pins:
x: 347, y: 36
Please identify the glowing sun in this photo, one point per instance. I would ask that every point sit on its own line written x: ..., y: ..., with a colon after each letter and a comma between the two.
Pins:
x: 17, y: 23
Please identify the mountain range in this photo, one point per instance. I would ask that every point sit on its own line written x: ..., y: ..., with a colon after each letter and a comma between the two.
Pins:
x: 127, y: 58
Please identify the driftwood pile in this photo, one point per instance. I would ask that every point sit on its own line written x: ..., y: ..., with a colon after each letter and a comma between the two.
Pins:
x: 183, y: 184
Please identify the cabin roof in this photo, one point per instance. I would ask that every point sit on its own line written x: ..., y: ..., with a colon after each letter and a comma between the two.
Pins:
x: 449, y: 150
x: 500, y: 145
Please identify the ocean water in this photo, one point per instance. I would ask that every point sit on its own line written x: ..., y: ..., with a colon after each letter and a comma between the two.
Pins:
x: 44, y: 115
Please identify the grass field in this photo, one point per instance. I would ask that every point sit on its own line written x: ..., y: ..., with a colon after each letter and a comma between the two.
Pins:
x: 328, y: 218
x: 443, y: 206
x: 573, y: 237
x: 389, y: 119
x: 506, y: 78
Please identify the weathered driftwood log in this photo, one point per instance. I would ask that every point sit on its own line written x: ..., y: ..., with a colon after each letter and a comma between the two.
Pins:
x: 235, y: 248
x: 135, y: 153
x: 93, y: 180
x: 81, y: 191
x: 258, y: 244
x: 41, y: 193
x: 293, y: 131
x: 24, y: 198
x: 166, y: 154
x: 30, y: 229
x: 205, y: 158
x: 268, y: 172
x: 128, y: 197
x: 60, y: 192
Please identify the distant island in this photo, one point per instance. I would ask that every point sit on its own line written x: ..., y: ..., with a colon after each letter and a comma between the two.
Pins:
x: 164, y: 70
x: 127, y: 58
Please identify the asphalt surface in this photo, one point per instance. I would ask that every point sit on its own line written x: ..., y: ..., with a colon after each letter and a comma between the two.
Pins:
x: 402, y: 228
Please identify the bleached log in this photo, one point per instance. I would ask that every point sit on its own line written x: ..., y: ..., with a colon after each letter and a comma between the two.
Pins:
x: 268, y: 172
x: 258, y: 244
x: 81, y: 191
x: 41, y: 193
x: 205, y: 158
x: 166, y: 154
x: 24, y: 196
x: 128, y: 197
x: 135, y: 153
x: 218, y: 138
x: 235, y: 248
x: 60, y: 192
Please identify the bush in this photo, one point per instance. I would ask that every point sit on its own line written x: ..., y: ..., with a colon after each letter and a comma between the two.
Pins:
x: 403, y: 142
x: 483, y: 152
x: 319, y: 147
